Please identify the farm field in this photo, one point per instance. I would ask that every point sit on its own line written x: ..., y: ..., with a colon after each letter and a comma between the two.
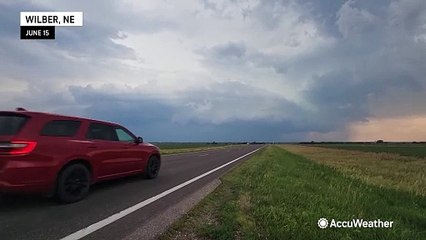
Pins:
x: 283, y: 191
x: 383, y: 169
x: 404, y: 149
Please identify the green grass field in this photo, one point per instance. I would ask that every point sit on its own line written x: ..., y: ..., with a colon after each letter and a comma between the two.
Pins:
x: 280, y: 195
x: 404, y: 149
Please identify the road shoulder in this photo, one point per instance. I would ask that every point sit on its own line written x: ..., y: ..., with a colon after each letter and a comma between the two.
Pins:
x: 160, y: 223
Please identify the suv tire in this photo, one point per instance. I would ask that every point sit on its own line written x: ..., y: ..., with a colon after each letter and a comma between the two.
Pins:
x: 152, y: 167
x: 73, y: 183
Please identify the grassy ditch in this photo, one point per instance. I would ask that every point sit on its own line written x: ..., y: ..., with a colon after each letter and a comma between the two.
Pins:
x: 281, y: 195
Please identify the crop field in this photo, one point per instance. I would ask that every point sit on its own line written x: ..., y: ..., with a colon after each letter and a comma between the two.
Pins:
x: 282, y: 191
x: 384, y: 169
x: 404, y: 149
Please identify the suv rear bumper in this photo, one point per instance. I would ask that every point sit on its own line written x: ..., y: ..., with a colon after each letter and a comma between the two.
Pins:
x: 10, y: 188
x: 18, y: 175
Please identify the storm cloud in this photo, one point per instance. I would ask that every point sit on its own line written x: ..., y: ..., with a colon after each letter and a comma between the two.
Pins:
x: 193, y: 70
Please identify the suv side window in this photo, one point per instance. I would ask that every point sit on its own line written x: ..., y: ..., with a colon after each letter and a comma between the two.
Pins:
x: 60, y: 128
x: 101, y: 131
x: 124, y: 136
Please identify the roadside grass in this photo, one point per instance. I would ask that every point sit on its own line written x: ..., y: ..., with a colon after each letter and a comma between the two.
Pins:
x: 279, y: 195
x: 381, y: 169
x: 172, y: 148
x: 403, y: 149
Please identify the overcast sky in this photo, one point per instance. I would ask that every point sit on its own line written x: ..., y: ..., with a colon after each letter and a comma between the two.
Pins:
x: 236, y: 70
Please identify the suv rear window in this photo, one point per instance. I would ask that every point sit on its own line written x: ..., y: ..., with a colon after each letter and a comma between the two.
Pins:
x: 60, y: 128
x: 10, y: 124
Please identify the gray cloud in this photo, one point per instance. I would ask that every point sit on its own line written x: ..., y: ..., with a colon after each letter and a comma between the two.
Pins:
x: 76, y: 53
x: 228, y: 53
x: 233, y: 101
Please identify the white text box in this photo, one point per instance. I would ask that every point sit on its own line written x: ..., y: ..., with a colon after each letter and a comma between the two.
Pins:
x: 58, y: 19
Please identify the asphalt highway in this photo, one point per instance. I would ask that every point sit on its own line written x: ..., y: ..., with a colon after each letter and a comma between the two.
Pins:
x: 107, y: 206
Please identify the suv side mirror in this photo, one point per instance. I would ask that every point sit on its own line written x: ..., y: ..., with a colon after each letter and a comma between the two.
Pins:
x: 139, y: 140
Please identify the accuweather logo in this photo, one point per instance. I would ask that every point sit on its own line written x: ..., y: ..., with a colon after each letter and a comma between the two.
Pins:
x: 354, y: 223
x: 322, y: 223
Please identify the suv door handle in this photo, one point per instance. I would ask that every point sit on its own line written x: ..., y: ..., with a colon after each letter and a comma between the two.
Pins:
x: 93, y: 146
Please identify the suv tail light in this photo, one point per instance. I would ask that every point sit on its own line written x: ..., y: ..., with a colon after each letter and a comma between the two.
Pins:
x: 17, y: 147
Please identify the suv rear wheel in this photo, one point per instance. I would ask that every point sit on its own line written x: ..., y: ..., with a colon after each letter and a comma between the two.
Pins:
x: 73, y: 183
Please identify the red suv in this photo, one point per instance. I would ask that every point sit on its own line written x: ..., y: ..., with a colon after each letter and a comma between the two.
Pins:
x: 62, y: 156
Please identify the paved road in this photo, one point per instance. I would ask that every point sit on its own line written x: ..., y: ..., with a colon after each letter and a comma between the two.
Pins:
x: 39, y: 218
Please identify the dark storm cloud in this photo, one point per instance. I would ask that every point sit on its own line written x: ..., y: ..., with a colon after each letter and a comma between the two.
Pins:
x: 347, y: 61
x: 140, y: 113
x: 164, y: 120
x: 344, y: 97
x: 378, y: 55
x: 115, y: 106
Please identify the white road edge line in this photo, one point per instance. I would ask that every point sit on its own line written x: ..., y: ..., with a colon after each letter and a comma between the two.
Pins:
x: 98, y: 225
